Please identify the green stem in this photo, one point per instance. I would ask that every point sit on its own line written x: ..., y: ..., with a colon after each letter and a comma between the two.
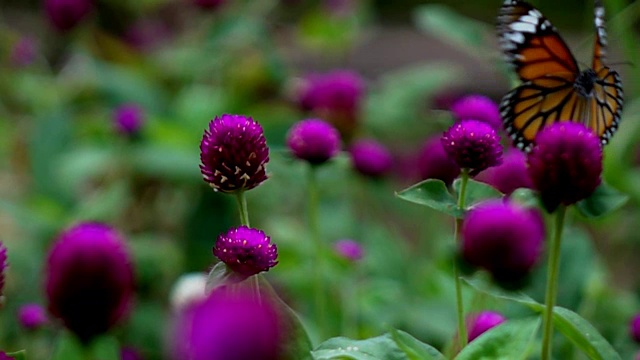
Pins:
x: 242, y: 207
x: 552, y: 283
x: 462, y: 328
x: 313, y: 207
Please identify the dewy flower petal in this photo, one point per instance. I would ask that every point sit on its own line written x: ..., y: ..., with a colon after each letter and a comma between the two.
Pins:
x: 434, y: 163
x: 89, y: 279
x: 246, y: 251
x: 473, y: 145
x: 370, y: 158
x: 565, y: 164
x: 313, y: 140
x: 233, y: 154
x: 482, y: 322
x: 478, y: 107
x: 503, y: 238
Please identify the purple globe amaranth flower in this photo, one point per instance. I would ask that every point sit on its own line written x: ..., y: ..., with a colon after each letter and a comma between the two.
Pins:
x: 349, y: 250
x: 32, y: 316
x: 634, y: 328
x: 512, y: 174
x: 565, y: 164
x: 129, y: 353
x: 4, y: 356
x: 231, y: 326
x: 503, y: 238
x: 481, y: 322
x: 370, y: 158
x: 89, y: 279
x: 473, y: 145
x: 208, y: 4
x: 234, y: 153
x: 313, y: 140
x: 434, y: 163
x: 478, y: 107
x: 335, y: 96
x: 66, y: 14
x: 246, y: 251
x: 128, y: 119
x: 3, y: 267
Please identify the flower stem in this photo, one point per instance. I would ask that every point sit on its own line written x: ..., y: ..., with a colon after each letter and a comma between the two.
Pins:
x: 313, y: 207
x: 242, y: 207
x: 462, y: 328
x: 552, y: 283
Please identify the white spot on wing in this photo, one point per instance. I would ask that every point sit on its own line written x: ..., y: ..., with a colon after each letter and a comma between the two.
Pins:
x: 523, y: 27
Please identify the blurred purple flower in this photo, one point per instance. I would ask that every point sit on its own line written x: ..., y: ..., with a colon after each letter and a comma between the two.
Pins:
x: 89, y: 279
x: 565, y: 164
x: 512, y: 174
x: 146, y: 34
x: 4, y: 356
x: 478, y: 107
x: 129, y: 353
x: 503, y: 238
x: 479, y: 323
x: 246, y: 251
x: 634, y: 328
x: 66, y: 14
x: 370, y: 158
x: 313, y: 140
x: 228, y: 326
x: 128, y: 119
x: 3, y: 266
x: 208, y: 4
x: 32, y: 316
x: 349, y: 249
x: 434, y: 163
x: 23, y: 52
x: 473, y: 145
x: 233, y: 154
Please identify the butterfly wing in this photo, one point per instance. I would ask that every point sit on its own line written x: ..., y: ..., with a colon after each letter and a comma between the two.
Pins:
x: 532, y: 44
x: 599, y: 48
x: 605, y: 104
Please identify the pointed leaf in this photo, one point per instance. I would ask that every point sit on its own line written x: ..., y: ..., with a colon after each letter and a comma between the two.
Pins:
x: 18, y: 355
x: 511, y: 340
x: 434, y: 194
x: 476, y: 191
x: 583, y: 335
x: 221, y: 275
x: 414, y: 348
x: 603, y: 201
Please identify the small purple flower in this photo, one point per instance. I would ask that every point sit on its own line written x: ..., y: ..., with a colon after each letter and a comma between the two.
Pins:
x: 503, y: 238
x: 129, y: 353
x: 349, y: 249
x: 634, y: 328
x: 89, y: 279
x: 370, y: 158
x: 479, y: 323
x: 66, y: 14
x: 208, y: 4
x: 32, y: 316
x: 478, y: 107
x: 233, y: 154
x: 24, y: 52
x: 3, y: 266
x: 512, y: 174
x: 473, y: 145
x: 434, y: 163
x: 313, y: 140
x: 246, y: 251
x: 128, y: 119
x: 4, y: 356
x: 565, y: 164
x: 228, y: 325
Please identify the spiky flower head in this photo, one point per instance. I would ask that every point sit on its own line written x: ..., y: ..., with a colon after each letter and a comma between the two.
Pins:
x: 370, y: 158
x: 246, y: 251
x: 565, y: 164
x: 478, y: 107
x: 313, y: 140
x: 473, y: 145
x: 233, y: 154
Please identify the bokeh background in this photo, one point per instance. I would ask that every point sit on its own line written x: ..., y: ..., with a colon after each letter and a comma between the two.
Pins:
x: 62, y: 160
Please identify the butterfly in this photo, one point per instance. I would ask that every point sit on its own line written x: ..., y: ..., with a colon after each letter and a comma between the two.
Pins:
x: 554, y: 89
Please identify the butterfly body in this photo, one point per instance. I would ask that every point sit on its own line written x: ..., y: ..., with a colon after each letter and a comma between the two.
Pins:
x: 554, y: 89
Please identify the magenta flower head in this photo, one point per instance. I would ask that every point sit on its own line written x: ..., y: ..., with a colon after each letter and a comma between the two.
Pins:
x: 565, y: 164
x: 246, y: 251
x: 478, y: 107
x: 503, y: 238
x: 481, y: 322
x: 4, y: 356
x: 634, y: 328
x: 512, y: 174
x: 3, y: 267
x: 23, y: 52
x: 434, y: 163
x: 66, y: 14
x: 128, y: 119
x: 129, y: 353
x: 208, y: 4
x: 32, y: 316
x: 370, y: 158
x: 313, y: 140
x: 349, y: 250
x: 473, y: 145
x: 233, y: 154
x: 89, y: 279
x: 229, y: 326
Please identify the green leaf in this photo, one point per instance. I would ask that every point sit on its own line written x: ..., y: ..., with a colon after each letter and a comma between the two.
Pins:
x: 511, y: 340
x: 505, y: 295
x: 583, y: 335
x: 105, y: 348
x: 525, y: 197
x: 396, y: 345
x: 476, y: 191
x: 432, y: 193
x: 602, y: 202
x: 68, y: 348
x: 18, y: 355
x: 221, y: 275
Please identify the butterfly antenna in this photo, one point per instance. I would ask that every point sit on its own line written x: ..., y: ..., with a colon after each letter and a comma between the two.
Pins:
x: 628, y: 63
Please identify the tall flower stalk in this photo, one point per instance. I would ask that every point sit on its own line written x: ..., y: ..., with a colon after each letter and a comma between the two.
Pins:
x: 462, y: 329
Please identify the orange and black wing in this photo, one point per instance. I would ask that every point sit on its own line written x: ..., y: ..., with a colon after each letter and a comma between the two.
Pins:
x: 532, y: 44
x: 599, y: 48
x: 606, y: 104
